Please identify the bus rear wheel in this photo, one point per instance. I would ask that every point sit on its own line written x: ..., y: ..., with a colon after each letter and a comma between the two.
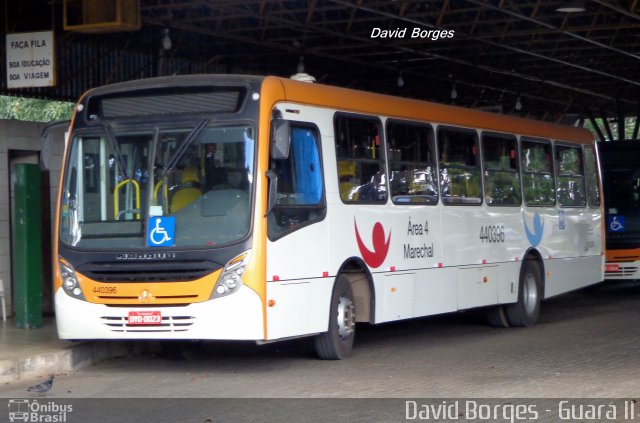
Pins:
x: 526, y: 310
x: 497, y: 317
x: 337, y: 342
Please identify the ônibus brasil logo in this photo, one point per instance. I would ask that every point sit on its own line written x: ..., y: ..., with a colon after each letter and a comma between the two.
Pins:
x: 380, y: 247
x: 30, y: 411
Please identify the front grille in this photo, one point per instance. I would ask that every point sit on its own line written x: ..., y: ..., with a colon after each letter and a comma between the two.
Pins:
x: 169, y: 324
x: 622, y: 272
x: 148, y: 271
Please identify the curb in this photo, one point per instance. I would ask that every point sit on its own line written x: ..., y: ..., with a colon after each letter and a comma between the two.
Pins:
x: 76, y: 356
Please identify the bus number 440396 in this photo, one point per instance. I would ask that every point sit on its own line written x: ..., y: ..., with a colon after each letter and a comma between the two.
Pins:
x: 492, y: 233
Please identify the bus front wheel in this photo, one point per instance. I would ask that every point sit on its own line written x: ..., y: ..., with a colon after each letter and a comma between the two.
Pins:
x: 337, y: 342
x: 526, y: 310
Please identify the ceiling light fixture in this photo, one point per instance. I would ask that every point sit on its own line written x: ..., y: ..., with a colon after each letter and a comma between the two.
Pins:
x: 518, y: 105
x: 454, y: 92
x: 571, y: 7
x: 400, y: 81
x: 166, y: 40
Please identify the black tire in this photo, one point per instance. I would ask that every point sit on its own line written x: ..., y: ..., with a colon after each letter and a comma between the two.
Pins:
x: 337, y: 342
x: 497, y: 317
x: 526, y: 310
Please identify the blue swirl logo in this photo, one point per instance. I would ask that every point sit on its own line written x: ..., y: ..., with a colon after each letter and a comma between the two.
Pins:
x: 534, y: 236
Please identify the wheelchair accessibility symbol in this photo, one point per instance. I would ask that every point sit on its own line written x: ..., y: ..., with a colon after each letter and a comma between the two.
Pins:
x: 616, y: 223
x: 161, y: 231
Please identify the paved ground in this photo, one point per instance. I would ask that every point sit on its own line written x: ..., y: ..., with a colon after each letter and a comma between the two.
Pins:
x: 587, y: 344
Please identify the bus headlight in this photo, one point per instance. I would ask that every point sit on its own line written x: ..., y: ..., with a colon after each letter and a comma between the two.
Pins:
x: 70, y: 283
x: 231, y: 278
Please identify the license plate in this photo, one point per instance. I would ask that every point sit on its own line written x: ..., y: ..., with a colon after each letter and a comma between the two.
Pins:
x: 144, y: 318
x: 612, y: 268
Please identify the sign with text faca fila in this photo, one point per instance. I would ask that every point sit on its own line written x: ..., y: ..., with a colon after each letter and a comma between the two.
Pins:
x: 30, y: 60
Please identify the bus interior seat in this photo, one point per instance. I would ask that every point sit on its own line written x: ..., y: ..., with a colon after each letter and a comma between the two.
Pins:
x: 237, y: 178
x: 188, y: 191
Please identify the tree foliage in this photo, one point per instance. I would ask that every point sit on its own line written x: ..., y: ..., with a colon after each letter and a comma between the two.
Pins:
x: 34, y: 110
x: 629, y: 125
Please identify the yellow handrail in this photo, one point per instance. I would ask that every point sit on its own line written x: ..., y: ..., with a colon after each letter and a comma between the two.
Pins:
x: 157, y: 188
x: 116, y: 200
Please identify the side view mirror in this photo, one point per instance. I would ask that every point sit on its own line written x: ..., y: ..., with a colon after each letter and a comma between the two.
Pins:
x: 280, y: 139
x: 273, y: 190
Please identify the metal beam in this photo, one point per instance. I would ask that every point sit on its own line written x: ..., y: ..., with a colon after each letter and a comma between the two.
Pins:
x: 595, y: 125
x: 634, y: 136
x: 547, y: 25
x: 607, y: 127
x: 514, y: 49
x: 618, y: 9
x: 621, y: 128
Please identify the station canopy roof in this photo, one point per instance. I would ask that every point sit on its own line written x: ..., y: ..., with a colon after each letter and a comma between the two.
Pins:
x: 531, y: 58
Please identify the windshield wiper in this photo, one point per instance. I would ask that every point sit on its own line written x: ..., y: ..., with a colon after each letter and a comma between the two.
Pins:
x: 183, y: 147
x: 115, y: 147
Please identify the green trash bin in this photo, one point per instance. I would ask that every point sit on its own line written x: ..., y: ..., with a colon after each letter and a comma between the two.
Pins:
x: 27, y: 246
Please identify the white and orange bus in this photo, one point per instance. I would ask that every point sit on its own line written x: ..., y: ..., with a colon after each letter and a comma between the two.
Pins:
x: 262, y: 208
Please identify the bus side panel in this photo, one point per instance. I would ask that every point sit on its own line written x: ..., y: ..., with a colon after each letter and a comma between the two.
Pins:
x: 397, y: 292
x: 573, y: 255
x: 298, y: 282
x: 482, y: 235
x: 568, y: 233
x: 300, y: 307
x: 563, y: 275
x: 477, y: 286
x: 435, y: 292
x: 488, y: 243
x: 509, y: 278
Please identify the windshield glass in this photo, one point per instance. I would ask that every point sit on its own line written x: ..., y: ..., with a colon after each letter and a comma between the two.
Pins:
x: 197, y: 194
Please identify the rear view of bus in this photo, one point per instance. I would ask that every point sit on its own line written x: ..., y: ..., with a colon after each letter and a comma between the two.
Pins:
x: 621, y: 181
x: 155, y: 213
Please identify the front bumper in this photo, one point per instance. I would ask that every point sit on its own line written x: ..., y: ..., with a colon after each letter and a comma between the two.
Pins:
x: 234, y: 317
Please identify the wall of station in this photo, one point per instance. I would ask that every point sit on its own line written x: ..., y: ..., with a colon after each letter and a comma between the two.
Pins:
x: 22, y: 142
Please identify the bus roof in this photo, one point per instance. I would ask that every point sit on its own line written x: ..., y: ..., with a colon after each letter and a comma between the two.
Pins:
x: 366, y: 102
x: 386, y: 105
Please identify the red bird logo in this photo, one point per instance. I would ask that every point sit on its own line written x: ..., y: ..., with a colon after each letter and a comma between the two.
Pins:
x: 380, y: 247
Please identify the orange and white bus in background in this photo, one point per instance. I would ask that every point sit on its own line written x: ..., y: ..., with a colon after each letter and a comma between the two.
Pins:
x: 262, y: 208
x: 621, y: 182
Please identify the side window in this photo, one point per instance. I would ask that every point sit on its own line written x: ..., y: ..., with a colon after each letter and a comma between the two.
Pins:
x: 300, y: 189
x: 412, y: 162
x: 459, y: 166
x: 361, y: 171
x: 501, y: 176
x: 537, y: 172
x: 571, y: 190
x: 591, y: 173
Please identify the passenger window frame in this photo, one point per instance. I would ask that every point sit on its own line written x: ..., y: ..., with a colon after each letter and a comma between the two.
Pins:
x: 598, y: 176
x: 321, y: 206
x: 578, y: 147
x: 380, y: 161
x: 523, y: 171
x: 446, y: 200
x: 431, y: 150
x: 485, y: 169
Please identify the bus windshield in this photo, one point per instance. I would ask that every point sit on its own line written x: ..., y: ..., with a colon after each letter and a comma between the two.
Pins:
x: 199, y: 174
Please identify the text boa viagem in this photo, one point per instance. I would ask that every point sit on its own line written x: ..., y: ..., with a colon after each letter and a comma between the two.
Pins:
x: 433, y: 34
